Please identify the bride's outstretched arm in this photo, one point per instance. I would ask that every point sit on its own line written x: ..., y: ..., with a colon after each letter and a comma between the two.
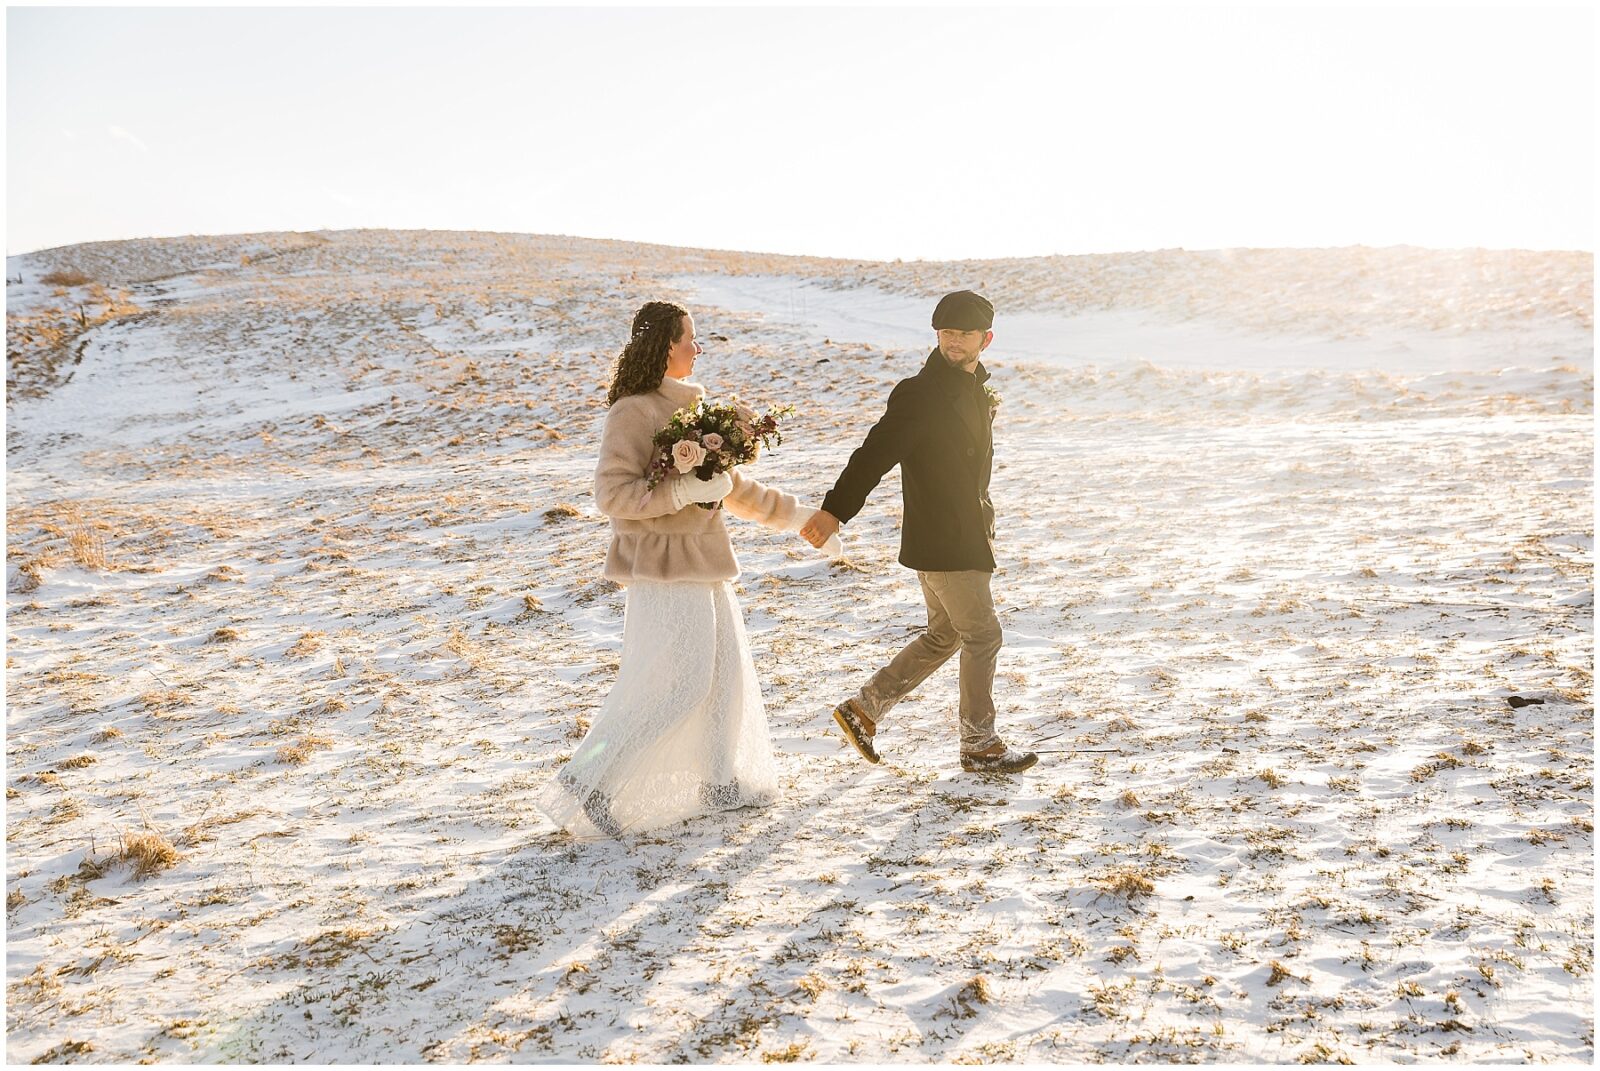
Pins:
x: 772, y: 508
x: 769, y: 507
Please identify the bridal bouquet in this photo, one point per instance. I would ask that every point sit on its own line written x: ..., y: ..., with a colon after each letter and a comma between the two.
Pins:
x: 712, y: 438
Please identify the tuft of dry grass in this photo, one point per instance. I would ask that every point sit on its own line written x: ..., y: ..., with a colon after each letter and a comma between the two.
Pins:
x: 301, y: 750
x: 88, y: 548
x: 200, y: 832
x: 110, y: 732
x: 458, y: 643
x: 147, y: 852
x: 560, y: 513
x: 308, y: 643
x: 77, y: 762
x: 812, y: 986
x: 30, y: 574
x: 976, y: 990
x: 1280, y: 973
x: 65, y: 277
x: 63, y: 1052
x: 1442, y: 761
x: 794, y: 1051
x: 1322, y: 1054
x: 163, y: 700
x: 1128, y: 883
x: 224, y: 635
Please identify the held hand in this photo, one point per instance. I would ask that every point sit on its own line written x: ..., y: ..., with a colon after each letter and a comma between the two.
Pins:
x: 822, y: 526
x: 687, y: 489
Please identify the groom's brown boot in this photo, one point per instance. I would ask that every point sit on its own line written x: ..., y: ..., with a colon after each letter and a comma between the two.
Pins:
x: 997, y: 759
x: 857, y: 728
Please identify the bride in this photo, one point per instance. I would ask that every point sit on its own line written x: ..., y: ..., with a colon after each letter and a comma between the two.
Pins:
x: 683, y: 731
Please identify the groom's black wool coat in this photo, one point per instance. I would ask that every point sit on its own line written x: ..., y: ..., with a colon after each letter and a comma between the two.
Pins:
x: 938, y: 428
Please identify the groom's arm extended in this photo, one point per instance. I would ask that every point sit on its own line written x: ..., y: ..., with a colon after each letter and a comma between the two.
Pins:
x: 891, y: 441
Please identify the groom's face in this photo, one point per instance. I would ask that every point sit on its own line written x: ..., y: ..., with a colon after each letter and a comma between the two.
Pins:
x: 963, y: 347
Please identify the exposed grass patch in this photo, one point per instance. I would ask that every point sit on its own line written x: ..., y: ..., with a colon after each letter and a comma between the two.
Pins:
x: 148, y: 852
x: 65, y: 277
x: 1126, y: 883
x: 300, y: 752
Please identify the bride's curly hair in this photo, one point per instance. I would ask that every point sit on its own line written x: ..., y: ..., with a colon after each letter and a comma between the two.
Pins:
x: 643, y: 362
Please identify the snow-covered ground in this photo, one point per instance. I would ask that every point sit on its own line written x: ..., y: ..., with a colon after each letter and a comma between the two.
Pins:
x: 304, y: 581
x: 1130, y: 336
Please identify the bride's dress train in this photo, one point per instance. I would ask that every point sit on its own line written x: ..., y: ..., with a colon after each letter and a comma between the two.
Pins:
x: 682, y: 732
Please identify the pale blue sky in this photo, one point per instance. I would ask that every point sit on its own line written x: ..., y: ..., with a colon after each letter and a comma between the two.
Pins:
x: 880, y: 133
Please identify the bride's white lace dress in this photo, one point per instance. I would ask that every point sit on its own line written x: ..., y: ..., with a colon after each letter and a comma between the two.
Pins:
x: 682, y: 732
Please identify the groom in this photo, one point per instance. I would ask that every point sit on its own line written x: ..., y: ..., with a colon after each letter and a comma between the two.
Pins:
x: 938, y: 429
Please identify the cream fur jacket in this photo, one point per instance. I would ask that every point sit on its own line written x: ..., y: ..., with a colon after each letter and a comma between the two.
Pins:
x: 649, y: 539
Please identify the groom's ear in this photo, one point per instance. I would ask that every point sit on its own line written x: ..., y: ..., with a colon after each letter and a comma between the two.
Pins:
x: 988, y: 337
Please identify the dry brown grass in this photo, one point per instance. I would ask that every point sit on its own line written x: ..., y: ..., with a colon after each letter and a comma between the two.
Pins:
x: 301, y: 750
x: 560, y: 513
x: 812, y: 986
x: 163, y: 700
x: 77, y: 762
x: 30, y: 574
x: 200, y: 832
x: 63, y: 1052
x: 1442, y: 761
x: 1280, y: 973
x: 792, y: 1053
x: 224, y: 635
x: 88, y: 548
x: 148, y: 852
x: 110, y: 732
x: 459, y: 643
x: 65, y: 278
x: 308, y: 643
x: 1128, y: 883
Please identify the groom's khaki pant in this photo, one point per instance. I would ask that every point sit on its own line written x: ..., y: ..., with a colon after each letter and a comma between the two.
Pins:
x: 960, y: 617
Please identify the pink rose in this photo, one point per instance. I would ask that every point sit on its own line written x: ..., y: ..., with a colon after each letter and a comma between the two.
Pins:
x: 711, y: 441
x: 687, y: 455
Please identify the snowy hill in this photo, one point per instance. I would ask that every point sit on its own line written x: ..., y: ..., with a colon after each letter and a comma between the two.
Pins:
x: 304, y: 608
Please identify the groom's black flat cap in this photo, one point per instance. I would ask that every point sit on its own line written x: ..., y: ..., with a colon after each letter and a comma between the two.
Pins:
x: 963, y: 311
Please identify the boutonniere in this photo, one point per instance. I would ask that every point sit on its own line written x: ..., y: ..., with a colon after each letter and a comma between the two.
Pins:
x: 994, y: 399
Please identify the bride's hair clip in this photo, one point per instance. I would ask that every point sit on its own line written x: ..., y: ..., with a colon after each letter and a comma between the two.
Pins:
x: 640, y: 328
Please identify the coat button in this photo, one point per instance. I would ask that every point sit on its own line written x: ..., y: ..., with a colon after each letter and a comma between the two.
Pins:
x: 970, y: 451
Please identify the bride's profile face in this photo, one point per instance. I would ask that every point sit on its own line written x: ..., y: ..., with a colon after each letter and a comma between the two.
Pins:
x: 681, y: 355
